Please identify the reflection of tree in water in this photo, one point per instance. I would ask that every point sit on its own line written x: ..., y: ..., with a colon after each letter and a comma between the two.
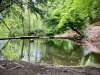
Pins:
x: 10, y: 50
x: 22, y: 55
x: 92, y: 44
x: 57, y: 52
x: 58, y: 55
x: 28, y: 50
x: 3, y: 45
x: 91, y: 60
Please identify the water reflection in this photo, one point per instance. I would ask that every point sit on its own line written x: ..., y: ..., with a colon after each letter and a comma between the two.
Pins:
x: 57, y: 52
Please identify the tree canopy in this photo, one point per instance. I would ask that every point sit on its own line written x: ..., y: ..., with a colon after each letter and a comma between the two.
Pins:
x: 72, y: 14
x: 58, y: 15
x: 16, y: 15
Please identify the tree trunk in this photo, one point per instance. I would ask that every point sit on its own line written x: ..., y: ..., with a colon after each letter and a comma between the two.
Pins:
x: 23, y: 31
x: 80, y: 33
x: 28, y: 21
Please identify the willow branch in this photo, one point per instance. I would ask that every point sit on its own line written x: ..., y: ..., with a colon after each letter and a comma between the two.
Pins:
x: 6, y: 25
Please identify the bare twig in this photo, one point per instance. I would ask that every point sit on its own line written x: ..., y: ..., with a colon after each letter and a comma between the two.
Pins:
x: 2, y: 67
x: 18, y: 66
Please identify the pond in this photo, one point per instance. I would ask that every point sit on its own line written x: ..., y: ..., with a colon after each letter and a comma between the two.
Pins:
x: 47, y: 51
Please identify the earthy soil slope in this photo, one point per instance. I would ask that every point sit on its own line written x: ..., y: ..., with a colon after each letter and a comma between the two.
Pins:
x: 25, y: 68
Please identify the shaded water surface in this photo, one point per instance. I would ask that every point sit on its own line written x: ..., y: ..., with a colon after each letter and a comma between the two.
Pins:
x: 54, y: 52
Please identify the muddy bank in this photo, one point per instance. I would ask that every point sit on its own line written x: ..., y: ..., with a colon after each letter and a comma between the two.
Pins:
x: 25, y: 68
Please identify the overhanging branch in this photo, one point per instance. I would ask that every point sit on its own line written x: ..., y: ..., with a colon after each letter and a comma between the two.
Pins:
x: 6, y: 25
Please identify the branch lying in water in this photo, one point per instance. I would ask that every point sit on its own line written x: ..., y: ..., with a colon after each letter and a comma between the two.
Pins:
x: 32, y: 37
x: 75, y: 40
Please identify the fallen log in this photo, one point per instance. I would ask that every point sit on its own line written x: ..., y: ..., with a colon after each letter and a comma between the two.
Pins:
x: 20, y: 37
x: 33, y: 37
x: 75, y: 40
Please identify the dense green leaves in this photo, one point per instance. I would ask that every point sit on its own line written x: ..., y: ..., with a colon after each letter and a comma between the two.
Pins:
x: 73, y: 14
x: 19, y: 14
x: 58, y: 15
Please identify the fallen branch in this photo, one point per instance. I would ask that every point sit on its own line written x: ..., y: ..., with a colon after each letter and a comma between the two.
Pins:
x: 2, y: 67
x: 75, y: 40
x: 18, y: 66
x: 34, y: 37
x: 15, y: 67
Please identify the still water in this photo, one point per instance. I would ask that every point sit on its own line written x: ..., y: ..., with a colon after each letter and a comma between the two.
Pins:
x: 54, y: 52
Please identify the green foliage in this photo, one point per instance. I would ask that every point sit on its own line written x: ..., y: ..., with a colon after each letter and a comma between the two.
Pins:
x: 72, y: 14
x: 12, y: 49
x: 66, y: 45
x: 15, y: 15
x: 62, y: 52
x: 10, y: 55
x: 59, y: 16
